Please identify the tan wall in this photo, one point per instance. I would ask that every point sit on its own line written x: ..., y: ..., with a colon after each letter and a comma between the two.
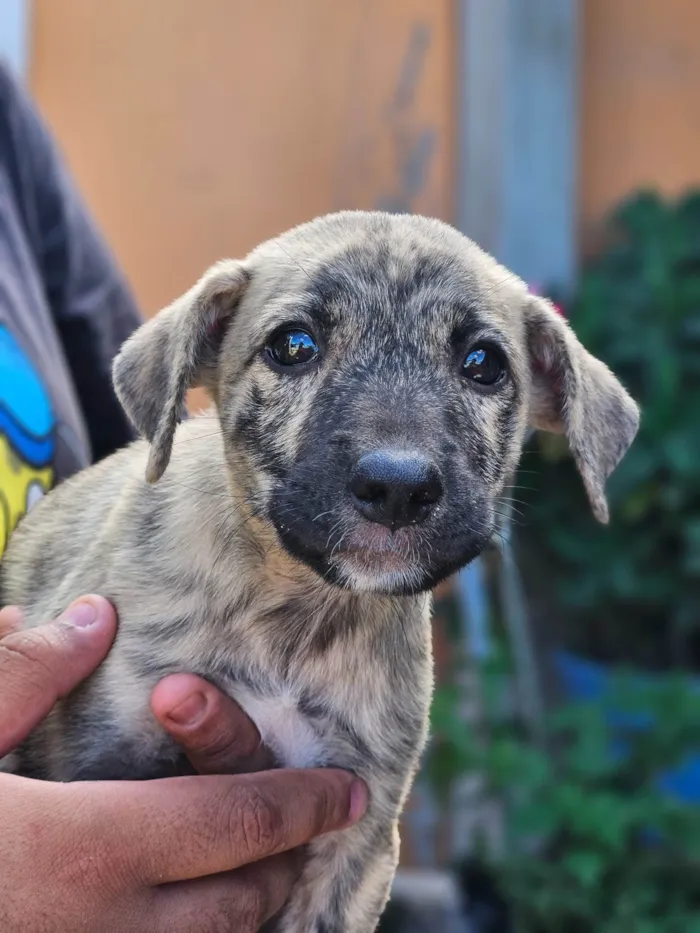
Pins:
x: 640, y: 93
x: 197, y: 129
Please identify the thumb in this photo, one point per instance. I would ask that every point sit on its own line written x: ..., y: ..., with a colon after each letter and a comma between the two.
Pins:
x: 39, y: 666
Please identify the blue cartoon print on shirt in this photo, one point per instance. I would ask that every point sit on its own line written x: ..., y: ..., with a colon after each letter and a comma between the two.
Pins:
x: 27, y: 435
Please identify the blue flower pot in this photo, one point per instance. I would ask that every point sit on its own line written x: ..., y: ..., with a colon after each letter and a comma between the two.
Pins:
x: 582, y: 679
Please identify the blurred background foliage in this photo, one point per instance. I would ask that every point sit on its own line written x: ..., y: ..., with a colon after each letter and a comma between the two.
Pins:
x: 594, y: 835
x: 630, y: 590
x: 592, y: 842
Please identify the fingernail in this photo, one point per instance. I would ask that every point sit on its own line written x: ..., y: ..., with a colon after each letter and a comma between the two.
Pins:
x: 81, y: 614
x: 359, y: 798
x: 190, y: 711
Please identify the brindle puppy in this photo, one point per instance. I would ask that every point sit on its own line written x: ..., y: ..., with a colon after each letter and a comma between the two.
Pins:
x: 374, y: 376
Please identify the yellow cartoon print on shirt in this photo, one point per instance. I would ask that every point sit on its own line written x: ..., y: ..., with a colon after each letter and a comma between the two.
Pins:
x: 27, y: 436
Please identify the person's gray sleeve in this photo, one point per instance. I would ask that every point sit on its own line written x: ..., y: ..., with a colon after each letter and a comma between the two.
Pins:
x: 92, y: 307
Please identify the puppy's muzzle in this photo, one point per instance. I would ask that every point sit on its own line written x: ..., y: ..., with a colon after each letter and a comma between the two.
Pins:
x: 395, y: 488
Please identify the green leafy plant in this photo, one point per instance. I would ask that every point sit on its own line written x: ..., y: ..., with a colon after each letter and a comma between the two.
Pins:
x: 592, y: 843
x: 631, y: 591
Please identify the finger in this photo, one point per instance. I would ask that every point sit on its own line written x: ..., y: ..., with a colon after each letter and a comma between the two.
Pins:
x: 10, y: 620
x: 213, y: 731
x: 242, y: 900
x: 183, y: 828
x: 40, y: 665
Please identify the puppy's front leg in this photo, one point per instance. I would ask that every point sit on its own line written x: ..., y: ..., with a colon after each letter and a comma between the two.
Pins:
x: 345, y: 885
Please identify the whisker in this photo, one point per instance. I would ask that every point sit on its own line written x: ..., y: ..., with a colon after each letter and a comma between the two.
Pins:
x: 337, y: 546
x: 322, y: 514
x: 511, y: 500
x: 332, y: 531
x: 217, y: 495
x: 194, y: 437
x: 292, y: 259
x: 511, y: 510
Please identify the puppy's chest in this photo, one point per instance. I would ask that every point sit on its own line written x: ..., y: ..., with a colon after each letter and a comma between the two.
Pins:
x: 363, y: 720
x: 349, y: 704
x: 307, y: 728
x: 296, y: 739
x: 341, y: 707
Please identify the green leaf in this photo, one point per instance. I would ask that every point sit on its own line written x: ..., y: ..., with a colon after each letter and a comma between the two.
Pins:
x: 538, y: 818
x: 585, y: 867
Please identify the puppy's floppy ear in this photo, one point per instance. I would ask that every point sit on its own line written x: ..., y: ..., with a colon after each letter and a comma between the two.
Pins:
x: 574, y: 394
x: 174, y: 351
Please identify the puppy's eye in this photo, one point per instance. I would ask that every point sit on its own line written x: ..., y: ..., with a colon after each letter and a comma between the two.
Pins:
x: 289, y: 347
x: 484, y: 365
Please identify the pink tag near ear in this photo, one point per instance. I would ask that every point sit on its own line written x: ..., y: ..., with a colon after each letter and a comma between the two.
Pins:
x: 536, y: 290
x: 558, y: 308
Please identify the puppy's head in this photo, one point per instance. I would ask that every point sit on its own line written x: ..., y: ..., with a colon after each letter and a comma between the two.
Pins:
x: 375, y: 376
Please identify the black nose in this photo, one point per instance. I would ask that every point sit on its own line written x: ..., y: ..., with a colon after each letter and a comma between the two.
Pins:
x: 394, y: 488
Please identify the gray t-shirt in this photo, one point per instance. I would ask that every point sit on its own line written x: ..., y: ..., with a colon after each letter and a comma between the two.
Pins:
x: 64, y: 312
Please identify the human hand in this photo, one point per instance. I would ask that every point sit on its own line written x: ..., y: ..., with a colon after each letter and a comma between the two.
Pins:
x: 192, y: 854
x: 213, y: 731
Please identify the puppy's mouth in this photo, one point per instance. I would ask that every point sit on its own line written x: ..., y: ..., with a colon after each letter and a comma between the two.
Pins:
x: 372, y: 546
x: 352, y: 552
x: 368, y: 558
x: 379, y: 571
